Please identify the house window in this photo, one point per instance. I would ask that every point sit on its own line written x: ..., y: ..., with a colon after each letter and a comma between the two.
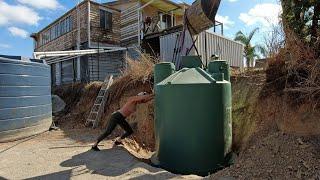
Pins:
x: 57, y: 30
x: 105, y: 19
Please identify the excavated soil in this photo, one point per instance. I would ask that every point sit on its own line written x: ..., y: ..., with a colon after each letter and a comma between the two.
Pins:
x: 79, y: 99
x: 273, y: 139
x: 277, y: 156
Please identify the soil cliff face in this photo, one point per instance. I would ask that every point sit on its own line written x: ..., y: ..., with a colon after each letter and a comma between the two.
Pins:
x: 255, y: 110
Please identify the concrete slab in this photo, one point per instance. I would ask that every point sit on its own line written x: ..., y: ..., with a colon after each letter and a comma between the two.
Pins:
x: 55, y: 155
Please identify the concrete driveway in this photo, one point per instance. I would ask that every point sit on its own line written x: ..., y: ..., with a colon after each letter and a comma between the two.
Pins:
x: 67, y: 155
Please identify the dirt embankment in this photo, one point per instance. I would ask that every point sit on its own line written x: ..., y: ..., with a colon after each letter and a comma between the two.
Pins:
x: 254, y: 109
x: 79, y: 99
x: 272, y: 138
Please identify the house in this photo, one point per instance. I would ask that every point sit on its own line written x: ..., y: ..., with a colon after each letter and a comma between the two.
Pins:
x: 120, y: 25
x: 142, y: 17
x: 97, y: 27
x: 92, y: 40
x: 160, y: 28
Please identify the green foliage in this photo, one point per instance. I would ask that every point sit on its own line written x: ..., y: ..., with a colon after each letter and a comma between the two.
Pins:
x: 250, y: 51
x: 303, y: 17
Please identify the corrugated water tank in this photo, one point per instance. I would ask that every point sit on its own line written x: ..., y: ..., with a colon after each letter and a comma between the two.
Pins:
x: 193, y: 122
x: 25, y: 98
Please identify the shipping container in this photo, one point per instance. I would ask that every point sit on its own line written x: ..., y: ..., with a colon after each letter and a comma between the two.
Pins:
x: 207, y: 44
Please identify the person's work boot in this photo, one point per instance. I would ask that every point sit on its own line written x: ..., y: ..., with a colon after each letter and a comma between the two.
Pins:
x: 95, y: 148
x: 117, y: 142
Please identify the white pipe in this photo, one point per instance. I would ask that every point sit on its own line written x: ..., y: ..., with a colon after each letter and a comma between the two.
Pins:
x: 78, y: 41
x: 89, y: 24
x: 138, y: 27
x: 40, y: 55
x: 171, y: 18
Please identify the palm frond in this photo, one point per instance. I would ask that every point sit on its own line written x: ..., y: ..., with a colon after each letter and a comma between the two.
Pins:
x: 262, y: 50
x: 241, y: 38
x: 252, y: 33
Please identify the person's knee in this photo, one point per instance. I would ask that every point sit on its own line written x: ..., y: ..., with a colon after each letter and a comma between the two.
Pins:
x: 130, y: 131
x: 113, y: 119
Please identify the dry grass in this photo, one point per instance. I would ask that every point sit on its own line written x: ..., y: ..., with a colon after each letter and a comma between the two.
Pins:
x: 137, y: 72
x: 138, y: 77
x: 295, y: 71
x: 79, y: 99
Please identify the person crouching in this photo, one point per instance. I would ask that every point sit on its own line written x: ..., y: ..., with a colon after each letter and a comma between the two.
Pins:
x: 119, y: 118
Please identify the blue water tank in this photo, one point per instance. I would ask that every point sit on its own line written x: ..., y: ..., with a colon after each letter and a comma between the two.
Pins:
x: 25, y: 98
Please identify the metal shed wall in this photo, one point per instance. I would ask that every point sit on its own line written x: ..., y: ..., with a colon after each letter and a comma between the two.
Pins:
x: 58, y: 73
x: 104, y: 64
x: 129, y: 25
x: 25, y: 98
x: 68, y: 71
x: 208, y: 43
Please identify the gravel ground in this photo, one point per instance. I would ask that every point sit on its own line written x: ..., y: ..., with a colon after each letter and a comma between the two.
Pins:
x: 277, y: 156
x: 57, y: 155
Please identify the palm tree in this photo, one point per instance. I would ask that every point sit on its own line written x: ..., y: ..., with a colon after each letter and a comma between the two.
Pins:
x: 250, y: 51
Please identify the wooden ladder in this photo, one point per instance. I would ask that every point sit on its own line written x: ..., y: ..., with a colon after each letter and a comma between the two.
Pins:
x: 98, y: 106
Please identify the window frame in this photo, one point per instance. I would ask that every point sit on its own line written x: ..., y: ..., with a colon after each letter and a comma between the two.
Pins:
x: 106, y: 19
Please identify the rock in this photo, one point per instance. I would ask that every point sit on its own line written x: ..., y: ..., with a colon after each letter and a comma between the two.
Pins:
x: 300, y: 141
x: 305, y: 165
x: 299, y: 174
x: 58, y: 104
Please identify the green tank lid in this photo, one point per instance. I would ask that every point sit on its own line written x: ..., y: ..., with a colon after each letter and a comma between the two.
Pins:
x: 189, y: 76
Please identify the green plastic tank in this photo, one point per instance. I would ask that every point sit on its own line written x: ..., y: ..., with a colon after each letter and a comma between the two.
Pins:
x: 162, y: 71
x: 193, y: 126
x: 220, y: 66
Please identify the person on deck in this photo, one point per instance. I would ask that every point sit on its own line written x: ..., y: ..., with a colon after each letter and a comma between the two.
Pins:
x: 119, y: 118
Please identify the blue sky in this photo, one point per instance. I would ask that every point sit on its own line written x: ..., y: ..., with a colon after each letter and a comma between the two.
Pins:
x: 19, y: 18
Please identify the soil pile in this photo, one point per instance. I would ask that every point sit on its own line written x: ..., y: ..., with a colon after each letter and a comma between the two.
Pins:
x: 79, y: 99
x: 267, y: 134
x: 277, y: 156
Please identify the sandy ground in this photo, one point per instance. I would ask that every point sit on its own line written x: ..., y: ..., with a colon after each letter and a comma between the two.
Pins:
x: 277, y: 155
x: 61, y: 155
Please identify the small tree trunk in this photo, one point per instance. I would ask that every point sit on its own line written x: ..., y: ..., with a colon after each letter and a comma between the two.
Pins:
x: 315, y: 23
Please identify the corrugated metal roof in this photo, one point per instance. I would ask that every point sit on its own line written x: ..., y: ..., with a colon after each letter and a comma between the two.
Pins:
x: 166, y: 6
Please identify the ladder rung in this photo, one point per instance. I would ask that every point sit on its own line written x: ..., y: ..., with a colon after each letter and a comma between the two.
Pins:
x: 99, y: 103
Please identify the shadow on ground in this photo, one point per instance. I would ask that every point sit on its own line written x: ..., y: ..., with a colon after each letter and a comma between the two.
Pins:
x: 116, y: 162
